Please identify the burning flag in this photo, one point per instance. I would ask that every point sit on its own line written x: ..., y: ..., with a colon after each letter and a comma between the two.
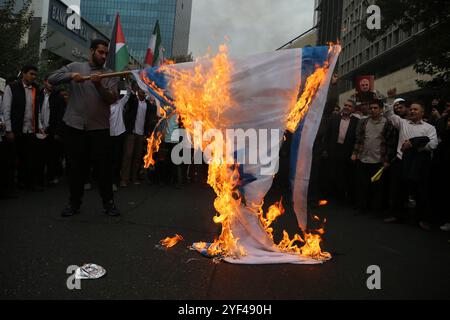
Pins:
x: 266, y: 93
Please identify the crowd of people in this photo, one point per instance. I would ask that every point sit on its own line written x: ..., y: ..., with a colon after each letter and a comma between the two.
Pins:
x: 93, y: 134
x: 386, y: 156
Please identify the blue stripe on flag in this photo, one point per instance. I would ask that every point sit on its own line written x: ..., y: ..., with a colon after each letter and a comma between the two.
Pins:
x: 311, y: 56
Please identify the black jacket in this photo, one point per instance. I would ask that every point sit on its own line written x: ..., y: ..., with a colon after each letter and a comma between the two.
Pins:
x: 332, y: 134
x: 130, y: 114
x: 18, y: 107
x: 57, y: 108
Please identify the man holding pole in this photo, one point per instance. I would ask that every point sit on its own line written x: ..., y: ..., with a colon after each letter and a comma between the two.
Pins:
x: 86, y: 121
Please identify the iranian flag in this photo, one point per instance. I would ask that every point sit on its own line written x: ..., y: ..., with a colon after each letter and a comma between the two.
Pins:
x: 118, y: 57
x: 154, y: 50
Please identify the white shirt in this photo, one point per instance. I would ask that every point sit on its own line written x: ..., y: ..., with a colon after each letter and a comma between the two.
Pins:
x: 140, y: 118
x: 45, y: 112
x: 343, y: 127
x: 28, y: 116
x: 116, y: 124
x: 408, y: 129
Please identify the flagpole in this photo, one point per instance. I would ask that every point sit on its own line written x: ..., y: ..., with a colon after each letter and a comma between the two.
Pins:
x: 110, y: 75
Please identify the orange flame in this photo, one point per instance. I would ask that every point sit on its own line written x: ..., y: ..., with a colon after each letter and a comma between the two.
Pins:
x: 153, y: 147
x: 203, y: 94
x: 310, y: 244
x: 323, y: 202
x: 301, y: 107
x: 273, y: 213
x: 170, y: 242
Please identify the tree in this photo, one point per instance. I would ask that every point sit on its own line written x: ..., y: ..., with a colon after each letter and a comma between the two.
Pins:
x: 433, y: 48
x: 19, y: 45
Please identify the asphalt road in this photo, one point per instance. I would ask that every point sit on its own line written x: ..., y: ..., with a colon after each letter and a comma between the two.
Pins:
x: 37, y: 246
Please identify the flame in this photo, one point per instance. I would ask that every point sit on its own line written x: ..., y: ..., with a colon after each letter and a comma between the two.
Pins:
x: 275, y: 210
x: 170, y: 242
x: 323, y: 202
x: 153, y: 144
x: 301, y: 107
x: 203, y: 94
x: 310, y: 244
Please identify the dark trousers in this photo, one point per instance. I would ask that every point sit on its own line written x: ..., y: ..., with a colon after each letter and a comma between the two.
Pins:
x: 82, y: 146
x: 370, y: 194
x: 54, y: 156
x: 7, y: 166
x: 117, y: 154
x: 166, y: 170
x: 30, y: 159
x: 398, y: 193
x: 342, y: 175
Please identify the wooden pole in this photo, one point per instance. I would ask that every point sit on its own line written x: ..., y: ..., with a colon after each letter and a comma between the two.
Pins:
x: 110, y: 75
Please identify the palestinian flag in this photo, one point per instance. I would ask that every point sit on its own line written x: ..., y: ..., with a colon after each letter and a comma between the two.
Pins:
x: 118, y: 57
x: 154, y: 47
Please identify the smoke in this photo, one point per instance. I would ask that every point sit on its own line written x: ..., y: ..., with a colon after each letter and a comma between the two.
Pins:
x: 252, y: 25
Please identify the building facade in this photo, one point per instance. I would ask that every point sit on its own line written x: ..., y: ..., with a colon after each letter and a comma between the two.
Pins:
x: 138, y: 18
x: 64, y: 41
x: 389, y: 58
x: 328, y: 20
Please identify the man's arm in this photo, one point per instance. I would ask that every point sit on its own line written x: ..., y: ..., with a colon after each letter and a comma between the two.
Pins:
x: 62, y: 75
x: 390, y: 115
x: 433, y: 139
x: 109, y: 95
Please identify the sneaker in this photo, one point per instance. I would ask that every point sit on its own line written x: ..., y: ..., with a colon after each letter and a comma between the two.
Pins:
x: 114, y: 188
x: 69, y: 211
x: 87, y: 186
x: 110, y: 209
x: 445, y: 227
x: 137, y: 182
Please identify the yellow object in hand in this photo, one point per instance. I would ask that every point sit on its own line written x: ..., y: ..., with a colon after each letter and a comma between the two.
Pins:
x: 377, y: 175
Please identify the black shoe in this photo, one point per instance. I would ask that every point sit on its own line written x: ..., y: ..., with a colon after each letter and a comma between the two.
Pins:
x: 110, y: 209
x: 70, y: 211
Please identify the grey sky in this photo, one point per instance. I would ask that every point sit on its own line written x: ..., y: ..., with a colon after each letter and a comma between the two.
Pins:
x: 252, y: 25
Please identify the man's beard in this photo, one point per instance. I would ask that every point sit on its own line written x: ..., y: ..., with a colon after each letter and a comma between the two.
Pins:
x: 98, y: 63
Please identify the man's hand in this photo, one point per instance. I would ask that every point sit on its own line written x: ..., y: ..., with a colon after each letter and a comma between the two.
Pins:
x: 386, y: 164
x: 353, y: 157
x: 96, y: 79
x: 435, y: 113
x: 77, y: 77
x: 334, y: 78
x: 10, y: 136
x: 406, y: 145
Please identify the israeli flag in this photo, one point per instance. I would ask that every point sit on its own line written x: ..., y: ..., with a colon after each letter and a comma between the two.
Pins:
x: 263, y: 89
